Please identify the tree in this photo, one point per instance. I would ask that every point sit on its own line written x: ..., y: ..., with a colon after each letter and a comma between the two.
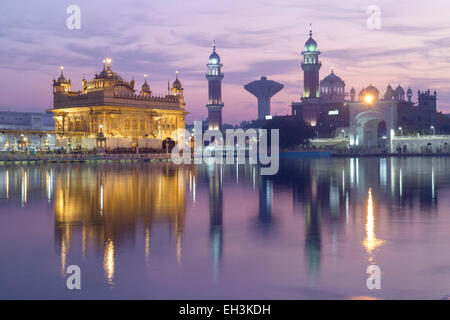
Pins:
x: 293, y: 131
x: 442, y: 123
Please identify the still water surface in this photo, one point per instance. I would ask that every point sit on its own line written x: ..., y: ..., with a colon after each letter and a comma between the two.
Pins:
x: 159, y: 231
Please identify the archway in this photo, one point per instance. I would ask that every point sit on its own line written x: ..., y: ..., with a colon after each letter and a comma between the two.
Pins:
x: 371, y: 129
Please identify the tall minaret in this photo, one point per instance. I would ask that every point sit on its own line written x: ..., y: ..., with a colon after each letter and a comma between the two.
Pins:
x: 215, y: 103
x: 311, y: 67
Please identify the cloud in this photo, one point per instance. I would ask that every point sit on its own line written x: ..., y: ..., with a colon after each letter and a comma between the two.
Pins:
x: 254, y: 38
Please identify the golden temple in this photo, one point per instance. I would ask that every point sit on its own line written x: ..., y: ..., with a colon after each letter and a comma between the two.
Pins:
x: 108, y: 110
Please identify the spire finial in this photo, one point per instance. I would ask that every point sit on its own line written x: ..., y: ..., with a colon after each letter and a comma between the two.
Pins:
x: 310, y: 29
x: 62, y: 69
x: 145, y: 76
x: 214, y: 45
x: 332, y: 69
x: 177, y: 74
x: 108, y: 63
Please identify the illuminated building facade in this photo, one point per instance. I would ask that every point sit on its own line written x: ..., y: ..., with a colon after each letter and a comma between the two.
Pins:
x: 324, y: 105
x: 215, y: 104
x: 21, y: 130
x: 311, y: 67
x: 322, y: 101
x: 108, y: 107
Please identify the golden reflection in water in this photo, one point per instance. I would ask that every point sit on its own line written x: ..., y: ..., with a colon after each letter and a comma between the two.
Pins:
x: 179, y: 247
x: 147, y: 243
x: 65, y: 236
x: 371, y: 242
x: 364, y: 298
x: 108, y: 261
x: 103, y: 206
x: 83, y: 243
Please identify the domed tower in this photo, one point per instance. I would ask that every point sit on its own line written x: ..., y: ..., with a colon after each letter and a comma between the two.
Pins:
x: 389, y: 93
x: 145, y: 89
x: 399, y: 93
x: 215, y: 103
x: 332, y: 88
x: 311, y: 67
x: 62, y: 85
x: 409, y: 94
x: 177, y: 88
x: 178, y: 91
x: 110, y: 82
x: 352, y: 94
x: 369, y: 94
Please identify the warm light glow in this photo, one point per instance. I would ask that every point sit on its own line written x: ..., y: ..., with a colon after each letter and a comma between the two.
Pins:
x: 62, y: 68
x: 371, y: 242
x: 147, y: 243
x: 368, y: 99
x: 108, y: 261
x: 108, y: 60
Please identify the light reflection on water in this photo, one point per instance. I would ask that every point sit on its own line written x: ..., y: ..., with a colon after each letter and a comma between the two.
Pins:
x: 142, y: 230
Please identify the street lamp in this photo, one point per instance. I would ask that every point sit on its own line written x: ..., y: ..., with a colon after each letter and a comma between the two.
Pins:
x: 434, y: 130
x: 401, y: 131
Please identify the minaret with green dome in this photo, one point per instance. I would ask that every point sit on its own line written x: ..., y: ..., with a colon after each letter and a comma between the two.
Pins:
x: 311, y: 67
x: 215, y: 103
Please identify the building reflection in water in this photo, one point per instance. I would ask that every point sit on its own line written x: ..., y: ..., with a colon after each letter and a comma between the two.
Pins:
x: 100, y: 207
x: 265, y: 200
x: 215, y: 183
x: 329, y: 192
x: 20, y: 182
x: 106, y: 204
x: 313, y: 243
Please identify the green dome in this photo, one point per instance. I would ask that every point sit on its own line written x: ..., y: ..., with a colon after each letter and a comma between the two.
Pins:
x: 311, y: 45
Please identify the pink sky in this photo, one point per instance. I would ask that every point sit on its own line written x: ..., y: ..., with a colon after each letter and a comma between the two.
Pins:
x: 254, y: 38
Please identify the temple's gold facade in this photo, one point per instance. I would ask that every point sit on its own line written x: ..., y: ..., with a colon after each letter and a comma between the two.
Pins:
x: 108, y: 110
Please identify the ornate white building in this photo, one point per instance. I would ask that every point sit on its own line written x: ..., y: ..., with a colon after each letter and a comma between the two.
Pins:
x: 20, y: 130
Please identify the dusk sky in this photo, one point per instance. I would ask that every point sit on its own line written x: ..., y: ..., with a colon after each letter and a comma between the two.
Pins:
x: 254, y: 38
